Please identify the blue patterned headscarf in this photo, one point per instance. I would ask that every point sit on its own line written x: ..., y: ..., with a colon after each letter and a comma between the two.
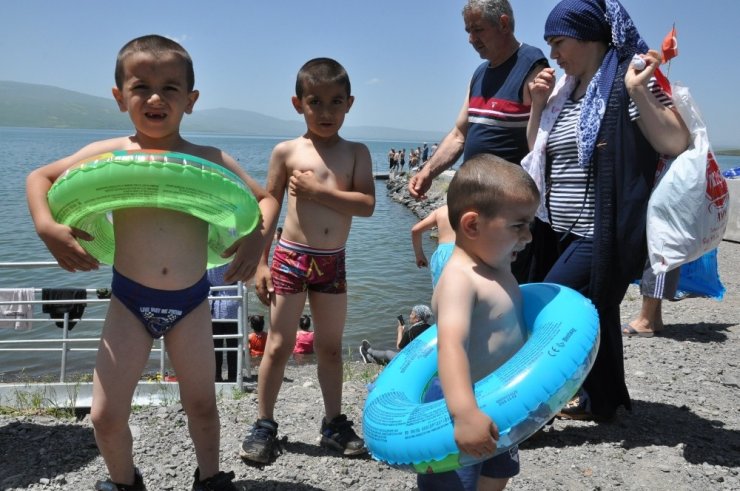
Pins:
x: 596, y: 20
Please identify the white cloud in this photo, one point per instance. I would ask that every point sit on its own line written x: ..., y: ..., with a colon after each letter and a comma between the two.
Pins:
x: 374, y: 81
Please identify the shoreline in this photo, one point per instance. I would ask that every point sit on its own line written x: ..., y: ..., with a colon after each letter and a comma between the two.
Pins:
x: 436, y: 196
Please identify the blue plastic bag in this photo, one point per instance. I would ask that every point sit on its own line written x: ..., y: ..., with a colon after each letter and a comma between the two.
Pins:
x: 701, y: 277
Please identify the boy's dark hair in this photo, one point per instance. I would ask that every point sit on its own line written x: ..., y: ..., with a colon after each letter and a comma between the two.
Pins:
x: 156, y: 45
x: 305, y: 322
x: 257, y: 322
x: 321, y: 71
x: 486, y: 183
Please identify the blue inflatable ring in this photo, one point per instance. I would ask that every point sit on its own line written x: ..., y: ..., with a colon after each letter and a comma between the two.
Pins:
x: 520, y: 396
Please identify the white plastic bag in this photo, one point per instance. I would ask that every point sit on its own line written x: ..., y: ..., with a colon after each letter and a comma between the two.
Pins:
x: 688, y: 209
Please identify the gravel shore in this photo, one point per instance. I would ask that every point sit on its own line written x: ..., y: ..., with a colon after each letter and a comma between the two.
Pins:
x: 683, y: 433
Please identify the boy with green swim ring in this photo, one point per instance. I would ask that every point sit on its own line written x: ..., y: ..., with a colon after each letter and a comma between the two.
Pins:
x: 159, y: 285
x: 328, y: 181
x: 477, y: 303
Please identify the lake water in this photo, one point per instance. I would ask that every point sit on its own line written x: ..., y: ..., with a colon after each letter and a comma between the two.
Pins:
x: 382, y: 276
x: 383, y: 279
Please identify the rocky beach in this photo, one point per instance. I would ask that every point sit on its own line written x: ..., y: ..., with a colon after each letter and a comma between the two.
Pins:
x: 683, y: 432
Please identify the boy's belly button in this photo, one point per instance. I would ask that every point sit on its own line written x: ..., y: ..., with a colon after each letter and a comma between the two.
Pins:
x: 164, y: 271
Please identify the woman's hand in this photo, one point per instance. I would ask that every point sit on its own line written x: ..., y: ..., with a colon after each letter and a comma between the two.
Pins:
x: 635, y: 78
x: 542, y: 86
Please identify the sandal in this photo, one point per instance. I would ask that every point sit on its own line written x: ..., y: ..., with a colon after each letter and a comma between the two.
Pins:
x: 630, y: 332
x: 578, y: 408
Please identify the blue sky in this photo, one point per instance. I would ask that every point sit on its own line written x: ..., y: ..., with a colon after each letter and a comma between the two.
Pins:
x: 409, y: 60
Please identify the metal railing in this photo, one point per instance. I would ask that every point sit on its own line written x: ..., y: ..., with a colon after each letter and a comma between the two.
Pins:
x: 66, y: 344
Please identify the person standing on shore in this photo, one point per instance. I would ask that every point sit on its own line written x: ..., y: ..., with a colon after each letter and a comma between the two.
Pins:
x: 653, y: 288
x: 596, y: 137
x: 329, y: 180
x: 225, y: 311
x: 160, y: 287
x: 493, y: 118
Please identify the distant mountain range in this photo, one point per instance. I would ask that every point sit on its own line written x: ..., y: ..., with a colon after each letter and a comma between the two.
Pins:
x: 44, y: 106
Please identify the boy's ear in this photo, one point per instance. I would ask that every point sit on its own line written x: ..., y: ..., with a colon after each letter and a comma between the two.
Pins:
x: 469, y: 224
x: 297, y: 104
x: 119, y: 99
x: 193, y: 96
x: 350, y: 101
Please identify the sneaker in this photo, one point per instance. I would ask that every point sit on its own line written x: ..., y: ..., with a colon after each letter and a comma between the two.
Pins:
x: 217, y: 482
x: 109, y: 485
x: 338, y: 435
x: 261, y: 445
x: 363, y: 351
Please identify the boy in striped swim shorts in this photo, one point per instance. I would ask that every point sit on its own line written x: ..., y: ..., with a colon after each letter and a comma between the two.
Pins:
x: 328, y: 181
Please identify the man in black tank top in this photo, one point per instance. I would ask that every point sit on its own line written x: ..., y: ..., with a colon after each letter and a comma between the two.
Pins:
x: 493, y: 118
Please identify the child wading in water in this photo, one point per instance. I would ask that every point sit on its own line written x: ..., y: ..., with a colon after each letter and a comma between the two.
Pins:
x: 160, y: 263
x: 446, y: 242
x: 328, y: 181
x: 478, y: 305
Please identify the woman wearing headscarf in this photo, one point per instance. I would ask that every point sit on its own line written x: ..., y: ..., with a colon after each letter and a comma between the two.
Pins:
x: 596, y: 136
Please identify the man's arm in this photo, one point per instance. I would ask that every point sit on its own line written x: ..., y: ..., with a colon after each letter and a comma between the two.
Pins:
x: 447, y: 153
x: 359, y: 201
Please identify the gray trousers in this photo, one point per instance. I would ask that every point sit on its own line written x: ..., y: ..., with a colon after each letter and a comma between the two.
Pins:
x: 663, y: 285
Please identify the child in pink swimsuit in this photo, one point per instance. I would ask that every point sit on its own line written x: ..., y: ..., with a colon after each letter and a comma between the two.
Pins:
x: 304, y: 336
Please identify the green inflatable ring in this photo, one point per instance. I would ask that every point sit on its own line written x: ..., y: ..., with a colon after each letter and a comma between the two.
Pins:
x: 86, y: 194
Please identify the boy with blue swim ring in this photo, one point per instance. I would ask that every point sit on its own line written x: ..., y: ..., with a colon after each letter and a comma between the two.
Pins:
x: 478, y: 307
x: 160, y: 286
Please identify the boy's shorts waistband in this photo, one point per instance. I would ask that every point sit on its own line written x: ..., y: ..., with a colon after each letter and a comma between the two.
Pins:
x: 303, y: 248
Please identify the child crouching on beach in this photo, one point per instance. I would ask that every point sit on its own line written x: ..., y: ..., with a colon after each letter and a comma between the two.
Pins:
x: 478, y: 306
x: 328, y: 181
x: 159, y: 265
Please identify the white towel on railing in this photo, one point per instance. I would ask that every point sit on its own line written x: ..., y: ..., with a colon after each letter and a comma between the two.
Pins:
x: 15, y: 314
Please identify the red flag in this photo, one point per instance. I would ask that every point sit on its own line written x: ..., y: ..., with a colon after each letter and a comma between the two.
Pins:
x: 670, y: 45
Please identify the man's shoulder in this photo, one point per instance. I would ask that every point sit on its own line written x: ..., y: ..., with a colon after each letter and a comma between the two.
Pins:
x: 532, y: 53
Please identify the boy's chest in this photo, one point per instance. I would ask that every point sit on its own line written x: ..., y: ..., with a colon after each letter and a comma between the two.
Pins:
x: 338, y: 172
